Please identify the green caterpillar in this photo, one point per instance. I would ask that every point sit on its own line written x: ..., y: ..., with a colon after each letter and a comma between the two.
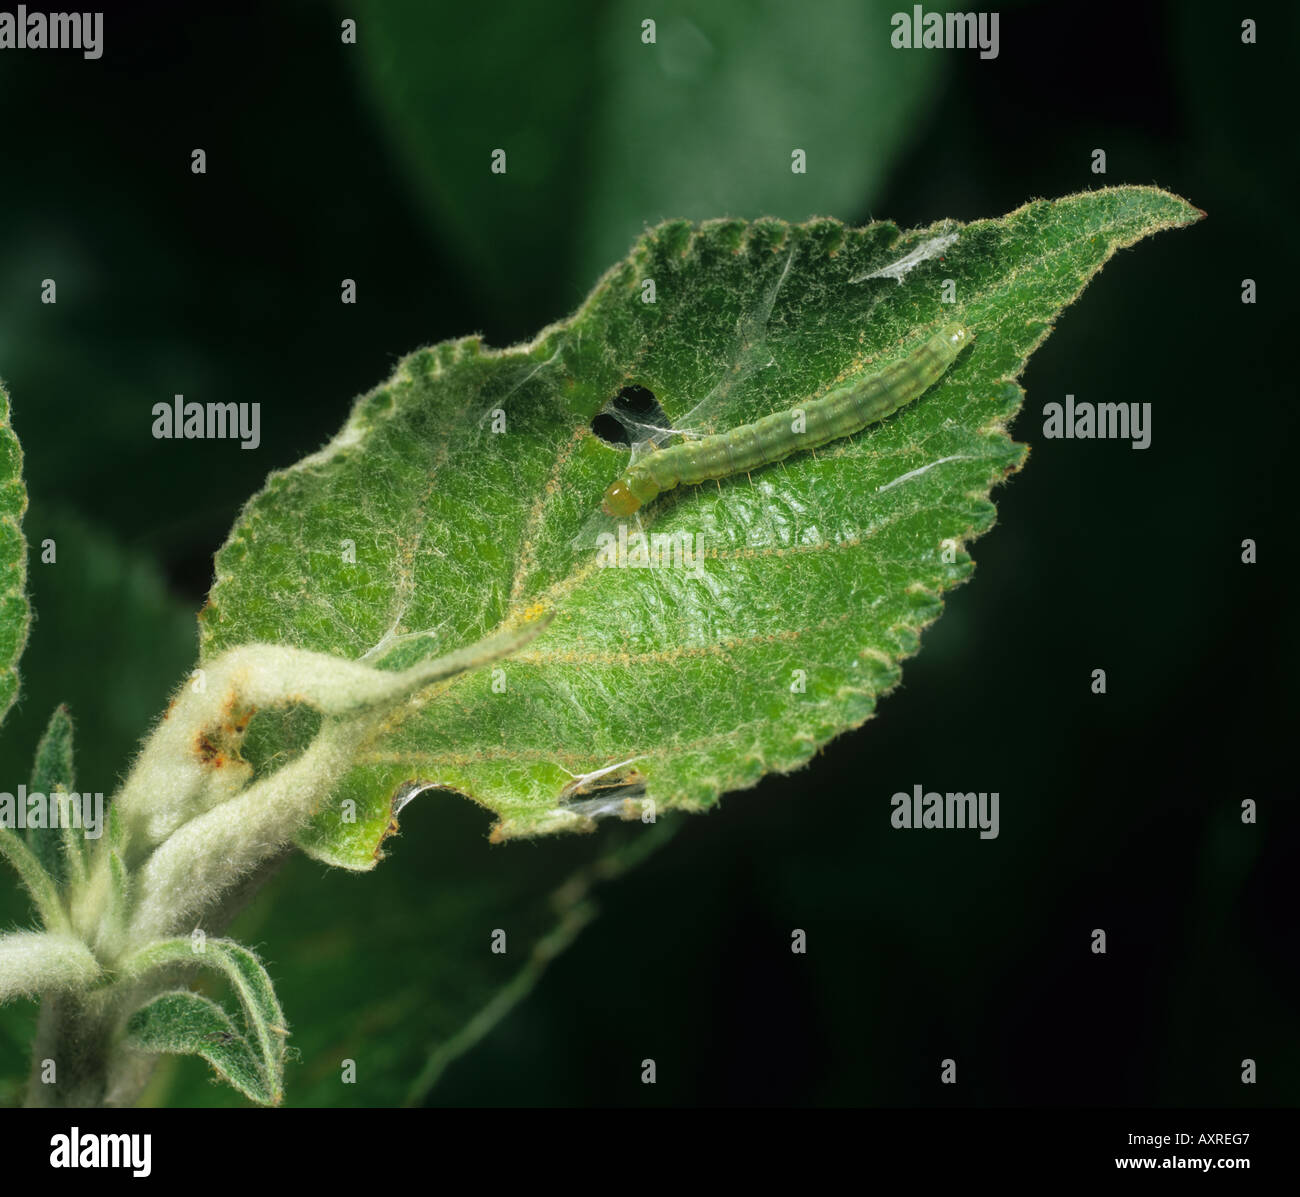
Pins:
x: 844, y: 411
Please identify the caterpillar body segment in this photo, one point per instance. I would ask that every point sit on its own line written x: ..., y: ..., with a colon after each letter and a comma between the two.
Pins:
x: 842, y: 412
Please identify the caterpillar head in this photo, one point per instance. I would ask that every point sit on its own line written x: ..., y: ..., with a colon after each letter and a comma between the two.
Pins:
x: 627, y: 494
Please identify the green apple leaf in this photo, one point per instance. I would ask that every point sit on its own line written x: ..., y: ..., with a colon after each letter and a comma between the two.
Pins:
x: 15, y: 613
x: 463, y: 495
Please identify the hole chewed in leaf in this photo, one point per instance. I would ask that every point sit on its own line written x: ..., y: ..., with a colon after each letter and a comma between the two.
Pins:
x: 633, y: 415
x: 610, y: 430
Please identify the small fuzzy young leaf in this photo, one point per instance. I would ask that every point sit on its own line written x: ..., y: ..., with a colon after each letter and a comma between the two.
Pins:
x: 40, y: 885
x: 111, y: 931
x: 263, y: 1017
x: 60, y: 850
x: 185, y: 1023
x: 37, y: 962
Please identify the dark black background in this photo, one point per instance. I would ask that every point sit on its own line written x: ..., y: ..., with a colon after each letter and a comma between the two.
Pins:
x: 1118, y: 811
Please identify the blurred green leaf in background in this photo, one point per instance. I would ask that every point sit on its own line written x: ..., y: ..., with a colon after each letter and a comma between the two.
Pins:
x: 607, y: 131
